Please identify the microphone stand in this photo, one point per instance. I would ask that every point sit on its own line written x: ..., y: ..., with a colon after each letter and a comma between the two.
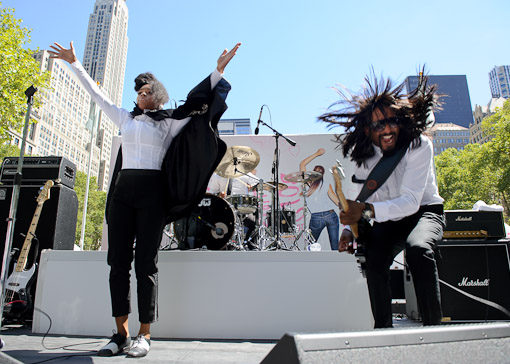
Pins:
x: 14, y: 203
x: 277, y: 244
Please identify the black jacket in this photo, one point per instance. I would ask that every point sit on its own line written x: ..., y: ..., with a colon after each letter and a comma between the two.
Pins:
x: 194, y: 153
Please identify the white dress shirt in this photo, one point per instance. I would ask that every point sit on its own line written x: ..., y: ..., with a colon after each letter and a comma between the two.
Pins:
x: 412, y: 184
x: 144, y: 140
x: 218, y: 184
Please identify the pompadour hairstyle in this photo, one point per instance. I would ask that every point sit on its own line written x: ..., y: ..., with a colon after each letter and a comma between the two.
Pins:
x: 159, y: 94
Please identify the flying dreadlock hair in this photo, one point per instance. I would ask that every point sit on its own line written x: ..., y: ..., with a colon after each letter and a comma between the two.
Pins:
x: 414, y: 111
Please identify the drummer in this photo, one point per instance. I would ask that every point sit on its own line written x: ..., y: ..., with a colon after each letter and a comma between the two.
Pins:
x: 224, y: 187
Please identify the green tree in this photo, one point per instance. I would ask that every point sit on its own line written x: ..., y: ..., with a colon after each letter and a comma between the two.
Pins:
x: 480, y: 171
x: 462, y: 177
x: 497, y: 153
x: 19, y: 71
x: 8, y: 150
x: 95, y: 212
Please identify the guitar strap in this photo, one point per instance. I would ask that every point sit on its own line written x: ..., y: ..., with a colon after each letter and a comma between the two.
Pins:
x: 379, y: 173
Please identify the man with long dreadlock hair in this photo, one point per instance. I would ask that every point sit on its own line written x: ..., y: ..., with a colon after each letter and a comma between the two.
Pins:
x: 407, y: 210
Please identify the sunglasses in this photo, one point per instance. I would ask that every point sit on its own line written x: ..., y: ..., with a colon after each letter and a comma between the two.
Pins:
x: 380, y: 125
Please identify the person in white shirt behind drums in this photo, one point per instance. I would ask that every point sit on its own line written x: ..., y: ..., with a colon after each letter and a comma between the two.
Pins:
x: 236, y: 192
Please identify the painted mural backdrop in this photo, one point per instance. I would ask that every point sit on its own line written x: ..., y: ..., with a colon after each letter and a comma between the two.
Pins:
x: 315, y: 152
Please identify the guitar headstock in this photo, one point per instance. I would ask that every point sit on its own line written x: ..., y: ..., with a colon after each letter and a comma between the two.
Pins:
x: 44, y: 194
x: 338, y: 174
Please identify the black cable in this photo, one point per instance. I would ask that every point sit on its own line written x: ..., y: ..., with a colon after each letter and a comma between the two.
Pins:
x: 65, y: 347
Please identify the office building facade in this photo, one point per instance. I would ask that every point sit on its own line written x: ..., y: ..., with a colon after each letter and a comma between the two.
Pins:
x: 234, y: 127
x: 480, y: 113
x: 499, y: 80
x: 448, y: 135
x: 456, y: 106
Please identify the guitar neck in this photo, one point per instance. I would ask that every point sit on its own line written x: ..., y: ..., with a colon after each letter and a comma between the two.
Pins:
x: 341, y: 198
x: 23, y: 256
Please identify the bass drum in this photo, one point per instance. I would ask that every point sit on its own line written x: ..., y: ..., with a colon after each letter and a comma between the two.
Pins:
x: 210, y: 225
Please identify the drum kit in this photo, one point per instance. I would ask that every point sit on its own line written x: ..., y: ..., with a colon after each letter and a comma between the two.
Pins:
x: 217, y: 223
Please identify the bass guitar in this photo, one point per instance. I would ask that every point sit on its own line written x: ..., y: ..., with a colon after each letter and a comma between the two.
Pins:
x: 18, y: 297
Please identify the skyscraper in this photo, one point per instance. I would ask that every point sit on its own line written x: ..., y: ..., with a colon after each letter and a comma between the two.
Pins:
x: 105, y: 60
x: 456, y: 103
x: 499, y: 80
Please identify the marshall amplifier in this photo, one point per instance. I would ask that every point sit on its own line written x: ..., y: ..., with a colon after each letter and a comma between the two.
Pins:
x: 466, y: 224
x: 37, y: 170
x: 475, y: 279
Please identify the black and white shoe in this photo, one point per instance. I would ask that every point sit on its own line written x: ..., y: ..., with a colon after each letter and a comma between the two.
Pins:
x: 140, y: 347
x: 118, y: 343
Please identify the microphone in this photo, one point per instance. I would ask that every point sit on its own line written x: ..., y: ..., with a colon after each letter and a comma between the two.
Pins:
x: 258, y: 122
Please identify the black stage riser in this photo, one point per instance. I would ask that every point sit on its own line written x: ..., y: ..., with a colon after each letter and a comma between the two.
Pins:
x: 57, y: 223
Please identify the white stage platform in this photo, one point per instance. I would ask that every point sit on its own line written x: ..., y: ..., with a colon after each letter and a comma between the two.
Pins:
x: 210, y: 294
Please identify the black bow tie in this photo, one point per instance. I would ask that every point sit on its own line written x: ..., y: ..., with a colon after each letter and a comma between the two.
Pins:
x: 157, y: 115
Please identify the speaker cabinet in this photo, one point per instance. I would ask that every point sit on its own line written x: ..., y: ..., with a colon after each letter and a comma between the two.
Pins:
x: 57, y: 223
x: 475, y: 279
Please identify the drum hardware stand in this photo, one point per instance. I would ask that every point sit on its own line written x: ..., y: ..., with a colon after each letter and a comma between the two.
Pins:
x: 237, y: 241
x: 278, y: 242
x: 261, y: 231
x: 173, y: 239
x: 309, y: 239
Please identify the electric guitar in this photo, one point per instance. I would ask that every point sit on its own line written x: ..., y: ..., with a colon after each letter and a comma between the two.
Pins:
x: 360, y: 229
x: 18, y: 283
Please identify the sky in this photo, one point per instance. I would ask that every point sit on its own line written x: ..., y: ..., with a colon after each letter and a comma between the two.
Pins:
x: 293, y: 53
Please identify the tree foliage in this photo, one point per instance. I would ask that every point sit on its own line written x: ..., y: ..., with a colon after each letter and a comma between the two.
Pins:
x: 498, y: 150
x: 95, y: 212
x: 480, y: 171
x: 19, y: 71
x: 8, y: 150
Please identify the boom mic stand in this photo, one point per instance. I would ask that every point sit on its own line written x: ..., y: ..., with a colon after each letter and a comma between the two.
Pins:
x: 277, y: 244
x: 14, y: 202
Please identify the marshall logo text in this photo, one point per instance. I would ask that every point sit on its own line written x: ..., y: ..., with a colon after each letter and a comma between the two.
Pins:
x: 464, y: 218
x: 466, y: 282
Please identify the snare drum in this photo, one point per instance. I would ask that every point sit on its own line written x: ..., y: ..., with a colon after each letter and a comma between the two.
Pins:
x: 244, y: 204
x: 210, y: 225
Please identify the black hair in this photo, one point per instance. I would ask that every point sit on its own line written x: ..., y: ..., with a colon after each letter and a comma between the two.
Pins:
x: 413, y: 110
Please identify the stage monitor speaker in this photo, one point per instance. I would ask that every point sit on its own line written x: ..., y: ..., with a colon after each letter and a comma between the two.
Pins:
x: 6, y: 359
x: 475, y: 279
x: 57, y: 223
x: 467, y: 344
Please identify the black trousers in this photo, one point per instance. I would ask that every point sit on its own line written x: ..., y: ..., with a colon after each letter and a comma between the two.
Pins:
x: 418, y: 234
x: 136, y: 218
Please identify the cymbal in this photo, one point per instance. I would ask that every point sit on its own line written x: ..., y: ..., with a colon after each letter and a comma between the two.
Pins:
x: 269, y: 186
x: 238, y: 160
x: 300, y: 176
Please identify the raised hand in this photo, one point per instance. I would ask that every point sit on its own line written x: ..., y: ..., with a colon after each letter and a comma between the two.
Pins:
x: 226, y: 56
x: 63, y: 53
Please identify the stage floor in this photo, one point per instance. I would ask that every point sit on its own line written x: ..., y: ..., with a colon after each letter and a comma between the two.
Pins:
x: 25, y: 346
